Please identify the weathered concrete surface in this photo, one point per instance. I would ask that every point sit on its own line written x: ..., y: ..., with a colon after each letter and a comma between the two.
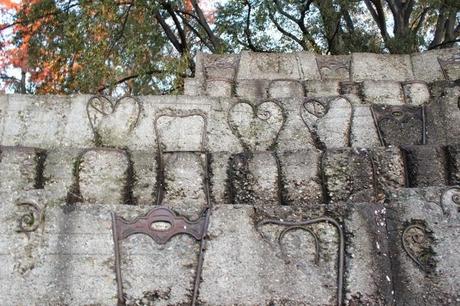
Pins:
x: 453, y: 153
x: 399, y: 125
x: 144, y: 185
x: 433, y: 242
x: 242, y: 267
x: 426, y: 65
x: 70, y: 260
x: 103, y: 176
x: 328, y: 121
x: 20, y: 168
x: 285, y: 89
x: 368, y: 66
x: 383, y: 92
x: 183, y: 185
x: 349, y: 175
x: 363, y: 130
x: 254, y: 179
x: 426, y: 166
x: 361, y: 175
x: 60, y: 174
x: 301, y: 178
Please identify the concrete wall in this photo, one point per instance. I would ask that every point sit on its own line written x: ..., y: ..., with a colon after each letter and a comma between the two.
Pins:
x: 367, y: 141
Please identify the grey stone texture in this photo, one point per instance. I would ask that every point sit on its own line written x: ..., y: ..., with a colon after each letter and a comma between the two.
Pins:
x: 424, y: 271
x: 364, y: 146
x: 426, y: 165
x: 103, y: 176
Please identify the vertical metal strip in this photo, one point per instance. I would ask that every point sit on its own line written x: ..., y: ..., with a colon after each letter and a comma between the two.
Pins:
x: 121, y: 300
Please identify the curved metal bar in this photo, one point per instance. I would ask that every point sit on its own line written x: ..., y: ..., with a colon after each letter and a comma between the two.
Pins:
x: 405, y: 247
x: 30, y: 221
x: 113, y: 108
x: 264, y: 116
x: 341, y: 258
x: 299, y: 227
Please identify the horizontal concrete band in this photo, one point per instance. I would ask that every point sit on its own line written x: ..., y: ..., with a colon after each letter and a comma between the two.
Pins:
x: 304, y: 177
x: 69, y: 259
x: 362, y: 115
x: 256, y: 74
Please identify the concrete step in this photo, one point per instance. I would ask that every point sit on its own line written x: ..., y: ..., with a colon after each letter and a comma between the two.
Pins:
x: 302, y: 177
x: 400, y: 252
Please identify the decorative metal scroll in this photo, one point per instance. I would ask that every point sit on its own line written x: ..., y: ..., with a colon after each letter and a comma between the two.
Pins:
x: 303, y: 225
x: 100, y: 108
x: 161, y: 223
x: 31, y: 220
x: 313, y: 113
x: 266, y: 120
x: 400, y: 124
x: 416, y: 242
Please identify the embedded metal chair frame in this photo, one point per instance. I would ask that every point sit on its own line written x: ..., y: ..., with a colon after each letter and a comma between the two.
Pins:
x: 176, y: 225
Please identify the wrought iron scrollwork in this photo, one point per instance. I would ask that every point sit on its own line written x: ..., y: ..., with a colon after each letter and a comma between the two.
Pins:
x: 31, y: 220
x: 416, y: 242
x: 303, y: 225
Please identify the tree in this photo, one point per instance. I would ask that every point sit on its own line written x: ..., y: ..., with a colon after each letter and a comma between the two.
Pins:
x: 149, y: 46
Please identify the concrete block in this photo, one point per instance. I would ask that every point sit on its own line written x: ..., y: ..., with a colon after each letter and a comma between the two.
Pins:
x: 219, y: 88
x: 453, y: 152
x: 245, y: 265
x: 268, y: 66
x: 59, y: 174
x: 308, y: 66
x: 316, y: 88
x: 450, y: 66
x: 182, y: 131
x: 77, y: 131
x: 219, y: 66
x: 451, y: 100
x: 328, y: 120
x: 380, y: 67
x: 301, y: 178
x: 368, y: 264
x: 423, y: 237
x: 426, y: 65
x: 252, y: 89
x: 334, y: 67
x: 184, y: 190
x: 353, y: 91
x: 193, y: 87
x: 363, y: 131
x: 73, y: 262
x: 103, y: 177
x: 20, y: 168
x: 348, y: 175
x: 35, y: 121
x: 144, y: 187
x: 390, y: 169
x: 113, y: 121
x: 285, y: 89
x: 3, y: 109
x: 219, y: 180
x: 416, y: 93
x: 399, y: 125
x: 378, y: 92
x: 220, y: 136
x: 254, y: 179
x: 294, y: 134
x: 256, y: 125
x: 426, y: 165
